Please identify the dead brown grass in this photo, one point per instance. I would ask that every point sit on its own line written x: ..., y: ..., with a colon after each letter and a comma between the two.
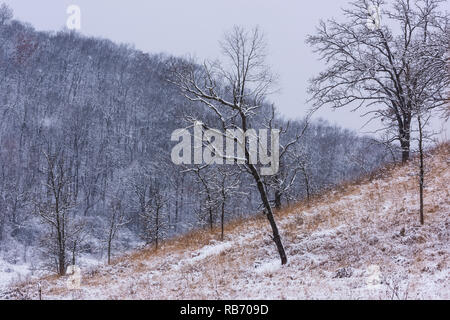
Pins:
x: 331, y: 215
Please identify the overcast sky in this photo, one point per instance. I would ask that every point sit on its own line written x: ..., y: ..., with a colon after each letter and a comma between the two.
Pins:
x: 183, y: 27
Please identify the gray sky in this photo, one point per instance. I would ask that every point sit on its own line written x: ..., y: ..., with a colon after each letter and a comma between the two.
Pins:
x: 183, y: 27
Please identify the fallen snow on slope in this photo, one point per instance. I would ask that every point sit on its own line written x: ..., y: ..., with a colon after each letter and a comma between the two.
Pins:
x: 269, y: 267
x: 363, y: 242
x: 10, y: 273
x: 210, y: 250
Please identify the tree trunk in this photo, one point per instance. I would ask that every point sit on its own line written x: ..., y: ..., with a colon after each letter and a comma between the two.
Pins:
x: 421, y: 170
x: 61, y: 249
x: 269, y: 213
x: 176, y: 208
x: 74, y: 250
x: 2, y: 228
x: 222, y: 218
x: 157, y: 230
x: 404, y: 135
x: 405, y: 151
x: 263, y: 194
x: 277, y: 200
x: 109, y: 251
x: 61, y: 263
x: 211, y: 225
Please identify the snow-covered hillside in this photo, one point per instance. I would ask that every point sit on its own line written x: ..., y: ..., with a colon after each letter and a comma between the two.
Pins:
x: 360, y: 241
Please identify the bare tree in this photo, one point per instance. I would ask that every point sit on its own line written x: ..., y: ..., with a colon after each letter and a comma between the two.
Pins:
x: 380, y: 65
x: 153, y: 218
x: 77, y: 237
x: 421, y: 169
x: 54, y: 210
x: 6, y: 14
x: 220, y: 184
x: 234, y: 92
x: 116, y: 220
x: 209, y: 204
x: 226, y: 187
x: 423, y: 115
x: 291, y: 159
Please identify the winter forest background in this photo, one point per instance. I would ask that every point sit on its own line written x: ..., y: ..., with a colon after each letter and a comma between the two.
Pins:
x: 85, y: 127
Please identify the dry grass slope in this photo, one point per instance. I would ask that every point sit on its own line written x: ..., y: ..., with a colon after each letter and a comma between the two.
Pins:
x: 334, y: 244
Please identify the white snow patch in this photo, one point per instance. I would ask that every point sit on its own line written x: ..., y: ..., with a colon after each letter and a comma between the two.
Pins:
x: 10, y: 273
x: 269, y: 267
x: 211, y: 250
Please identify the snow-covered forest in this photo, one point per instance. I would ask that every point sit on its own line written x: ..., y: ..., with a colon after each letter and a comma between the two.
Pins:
x: 86, y: 174
x: 94, y: 119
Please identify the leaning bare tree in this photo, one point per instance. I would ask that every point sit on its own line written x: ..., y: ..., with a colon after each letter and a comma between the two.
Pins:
x: 234, y: 93
x: 372, y: 61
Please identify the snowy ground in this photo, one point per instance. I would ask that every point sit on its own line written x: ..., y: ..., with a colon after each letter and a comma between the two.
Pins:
x: 12, y: 272
x: 360, y: 241
x: 18, y: 269
x: 21, y: 263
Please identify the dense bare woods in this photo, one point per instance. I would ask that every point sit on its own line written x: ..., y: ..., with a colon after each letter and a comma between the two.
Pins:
x: 85, y: 167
